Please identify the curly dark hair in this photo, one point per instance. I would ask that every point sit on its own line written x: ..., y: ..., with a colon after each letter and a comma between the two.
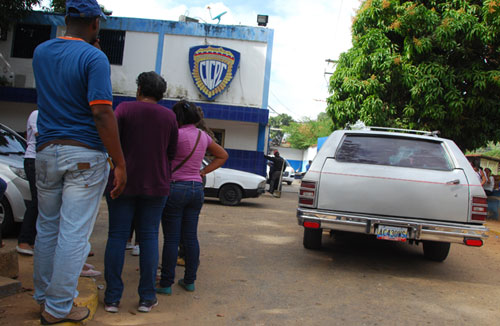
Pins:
x: 186, y: 113
x: 151, y: 85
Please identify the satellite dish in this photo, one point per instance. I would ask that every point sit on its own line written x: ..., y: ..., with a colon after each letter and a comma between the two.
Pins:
x: 218, y: 17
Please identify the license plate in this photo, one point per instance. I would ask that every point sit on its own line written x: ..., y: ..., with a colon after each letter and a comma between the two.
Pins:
x: 392, y: 233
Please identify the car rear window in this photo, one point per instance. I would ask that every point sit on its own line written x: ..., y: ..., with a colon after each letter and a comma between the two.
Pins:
x: 393, y: 151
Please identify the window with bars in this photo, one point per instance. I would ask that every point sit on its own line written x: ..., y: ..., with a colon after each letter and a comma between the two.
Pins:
x: 27, y: 37
x: 220, y: 135
x: 112, y: 44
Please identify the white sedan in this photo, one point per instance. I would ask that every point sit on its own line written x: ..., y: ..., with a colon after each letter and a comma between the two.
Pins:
x: 13, y: 203
x: 230, y: 186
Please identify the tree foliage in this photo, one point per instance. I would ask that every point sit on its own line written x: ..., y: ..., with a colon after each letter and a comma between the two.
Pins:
x: 305, y: 134
x: 13, y: 10
x: 278, y: 122
x: 58, y: 5
x: 423, y: 64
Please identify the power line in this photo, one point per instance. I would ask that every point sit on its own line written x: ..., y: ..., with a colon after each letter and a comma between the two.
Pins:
x: 283, y: 105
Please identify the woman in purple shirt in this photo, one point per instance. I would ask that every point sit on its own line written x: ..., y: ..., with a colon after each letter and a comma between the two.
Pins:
x: 186, y: 197
x: 148, y: 135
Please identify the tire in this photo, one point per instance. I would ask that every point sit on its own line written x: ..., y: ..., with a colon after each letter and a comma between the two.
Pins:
x: 312, y: 238
x: 436, y: 251
x: 230, y: 195
x: 7, y: 225
x: 289, y: 182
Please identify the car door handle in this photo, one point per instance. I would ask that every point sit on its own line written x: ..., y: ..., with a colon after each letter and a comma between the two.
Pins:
x: 453, y: 182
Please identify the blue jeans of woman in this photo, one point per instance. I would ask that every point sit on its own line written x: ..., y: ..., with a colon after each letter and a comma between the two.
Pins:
x: 148, y: 211
x: 181, y: 216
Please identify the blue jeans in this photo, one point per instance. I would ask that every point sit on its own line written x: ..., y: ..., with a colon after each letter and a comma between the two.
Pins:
x: 147, y: 210
x: 181, y: 216
x: 70, y: 182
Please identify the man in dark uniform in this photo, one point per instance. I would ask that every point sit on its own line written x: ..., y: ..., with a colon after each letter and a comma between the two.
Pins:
x: 278, y: 166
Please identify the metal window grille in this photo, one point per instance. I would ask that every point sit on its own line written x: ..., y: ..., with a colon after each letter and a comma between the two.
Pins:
x: 112, y: 44
x: 27, y: 37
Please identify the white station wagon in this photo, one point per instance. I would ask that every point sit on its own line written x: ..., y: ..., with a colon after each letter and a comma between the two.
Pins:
x: 398, y: 185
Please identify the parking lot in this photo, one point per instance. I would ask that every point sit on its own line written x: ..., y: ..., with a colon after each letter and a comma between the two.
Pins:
x: 255, y: 271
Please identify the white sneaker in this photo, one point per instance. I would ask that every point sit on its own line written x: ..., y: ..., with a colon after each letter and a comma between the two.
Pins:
x: 23, y: 251
x: 136, y: 251
x: 90, y: 273
x: 129, y: 246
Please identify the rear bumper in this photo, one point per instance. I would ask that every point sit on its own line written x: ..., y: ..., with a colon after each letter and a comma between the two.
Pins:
x: 418, y: 229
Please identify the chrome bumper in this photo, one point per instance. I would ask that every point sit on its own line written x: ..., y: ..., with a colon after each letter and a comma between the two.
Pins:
x: 418, y: 229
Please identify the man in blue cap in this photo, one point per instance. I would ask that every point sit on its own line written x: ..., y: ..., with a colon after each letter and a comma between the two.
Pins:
x: 77, y: 129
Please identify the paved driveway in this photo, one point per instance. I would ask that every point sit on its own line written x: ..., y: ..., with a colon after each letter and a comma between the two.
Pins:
x: 254, y: 271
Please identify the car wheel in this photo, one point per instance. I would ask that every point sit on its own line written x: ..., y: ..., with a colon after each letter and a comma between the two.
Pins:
x: 7, y: 224
x: 436, y: 251
x: 230, y: 195
x: 312, y: 238
x: 289, y: 182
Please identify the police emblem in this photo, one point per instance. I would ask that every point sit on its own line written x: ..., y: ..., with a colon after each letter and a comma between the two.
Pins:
x: 213, y: 68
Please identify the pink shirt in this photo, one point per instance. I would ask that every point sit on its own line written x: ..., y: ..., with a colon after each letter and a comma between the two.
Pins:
x: 190, y: 171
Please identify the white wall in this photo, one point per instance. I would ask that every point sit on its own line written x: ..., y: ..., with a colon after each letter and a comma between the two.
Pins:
x: 238, y: 135
x: 290, y: 153
x: 139, y: 55
x: 247, y: 86
x: 310, y: 154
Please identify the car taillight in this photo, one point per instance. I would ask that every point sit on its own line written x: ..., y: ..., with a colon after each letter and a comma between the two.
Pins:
x: 473, y: 242
x: 307, y: 193
x: 311, y: 225
x: 479, y: 208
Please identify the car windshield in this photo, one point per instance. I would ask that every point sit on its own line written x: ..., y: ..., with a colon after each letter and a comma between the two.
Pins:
x: 10, y: 144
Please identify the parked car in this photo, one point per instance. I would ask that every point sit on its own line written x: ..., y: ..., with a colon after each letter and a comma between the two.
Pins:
x: 288, y: 174
x: 400, y: 186
x: 13, y: 204
x: 230, y: 186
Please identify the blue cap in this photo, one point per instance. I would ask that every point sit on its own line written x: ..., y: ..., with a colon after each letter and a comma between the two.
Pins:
x: 85, y: 8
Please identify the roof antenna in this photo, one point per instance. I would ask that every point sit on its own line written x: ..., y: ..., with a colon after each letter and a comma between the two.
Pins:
x: 218, y: 17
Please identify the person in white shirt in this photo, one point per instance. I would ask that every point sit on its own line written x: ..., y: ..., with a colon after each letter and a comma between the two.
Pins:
x: 27, y: 236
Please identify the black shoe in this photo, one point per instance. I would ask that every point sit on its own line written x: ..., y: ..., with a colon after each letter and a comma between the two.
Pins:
x: 147, y: 305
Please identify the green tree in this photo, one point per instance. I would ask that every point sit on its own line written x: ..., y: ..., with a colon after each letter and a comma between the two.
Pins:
x: 305, y: 134
x: 277, y: 123
x: 423, y: 64
x: 13, y: 10
x: 59, y: 5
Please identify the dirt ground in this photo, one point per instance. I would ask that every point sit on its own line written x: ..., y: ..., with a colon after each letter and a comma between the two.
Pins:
x: 255, y: 271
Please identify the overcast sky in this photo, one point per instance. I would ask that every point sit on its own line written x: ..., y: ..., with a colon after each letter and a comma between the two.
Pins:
x: 306, y: 33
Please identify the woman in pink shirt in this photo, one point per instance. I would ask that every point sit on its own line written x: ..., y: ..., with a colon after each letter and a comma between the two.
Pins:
x: 184, y: 204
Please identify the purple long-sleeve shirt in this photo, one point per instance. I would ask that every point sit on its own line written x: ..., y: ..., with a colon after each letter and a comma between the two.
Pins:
x: 148, y: 135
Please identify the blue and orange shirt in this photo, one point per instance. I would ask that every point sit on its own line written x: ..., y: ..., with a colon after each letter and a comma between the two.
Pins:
x: 71, y: 75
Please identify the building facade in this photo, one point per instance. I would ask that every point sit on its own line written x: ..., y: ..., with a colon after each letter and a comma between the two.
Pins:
x: 237, y: 112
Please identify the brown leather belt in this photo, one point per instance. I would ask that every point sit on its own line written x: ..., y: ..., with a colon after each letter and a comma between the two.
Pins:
x: 69, y: 142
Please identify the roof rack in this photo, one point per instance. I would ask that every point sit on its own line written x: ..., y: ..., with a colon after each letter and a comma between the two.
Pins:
x: 423, y: 132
